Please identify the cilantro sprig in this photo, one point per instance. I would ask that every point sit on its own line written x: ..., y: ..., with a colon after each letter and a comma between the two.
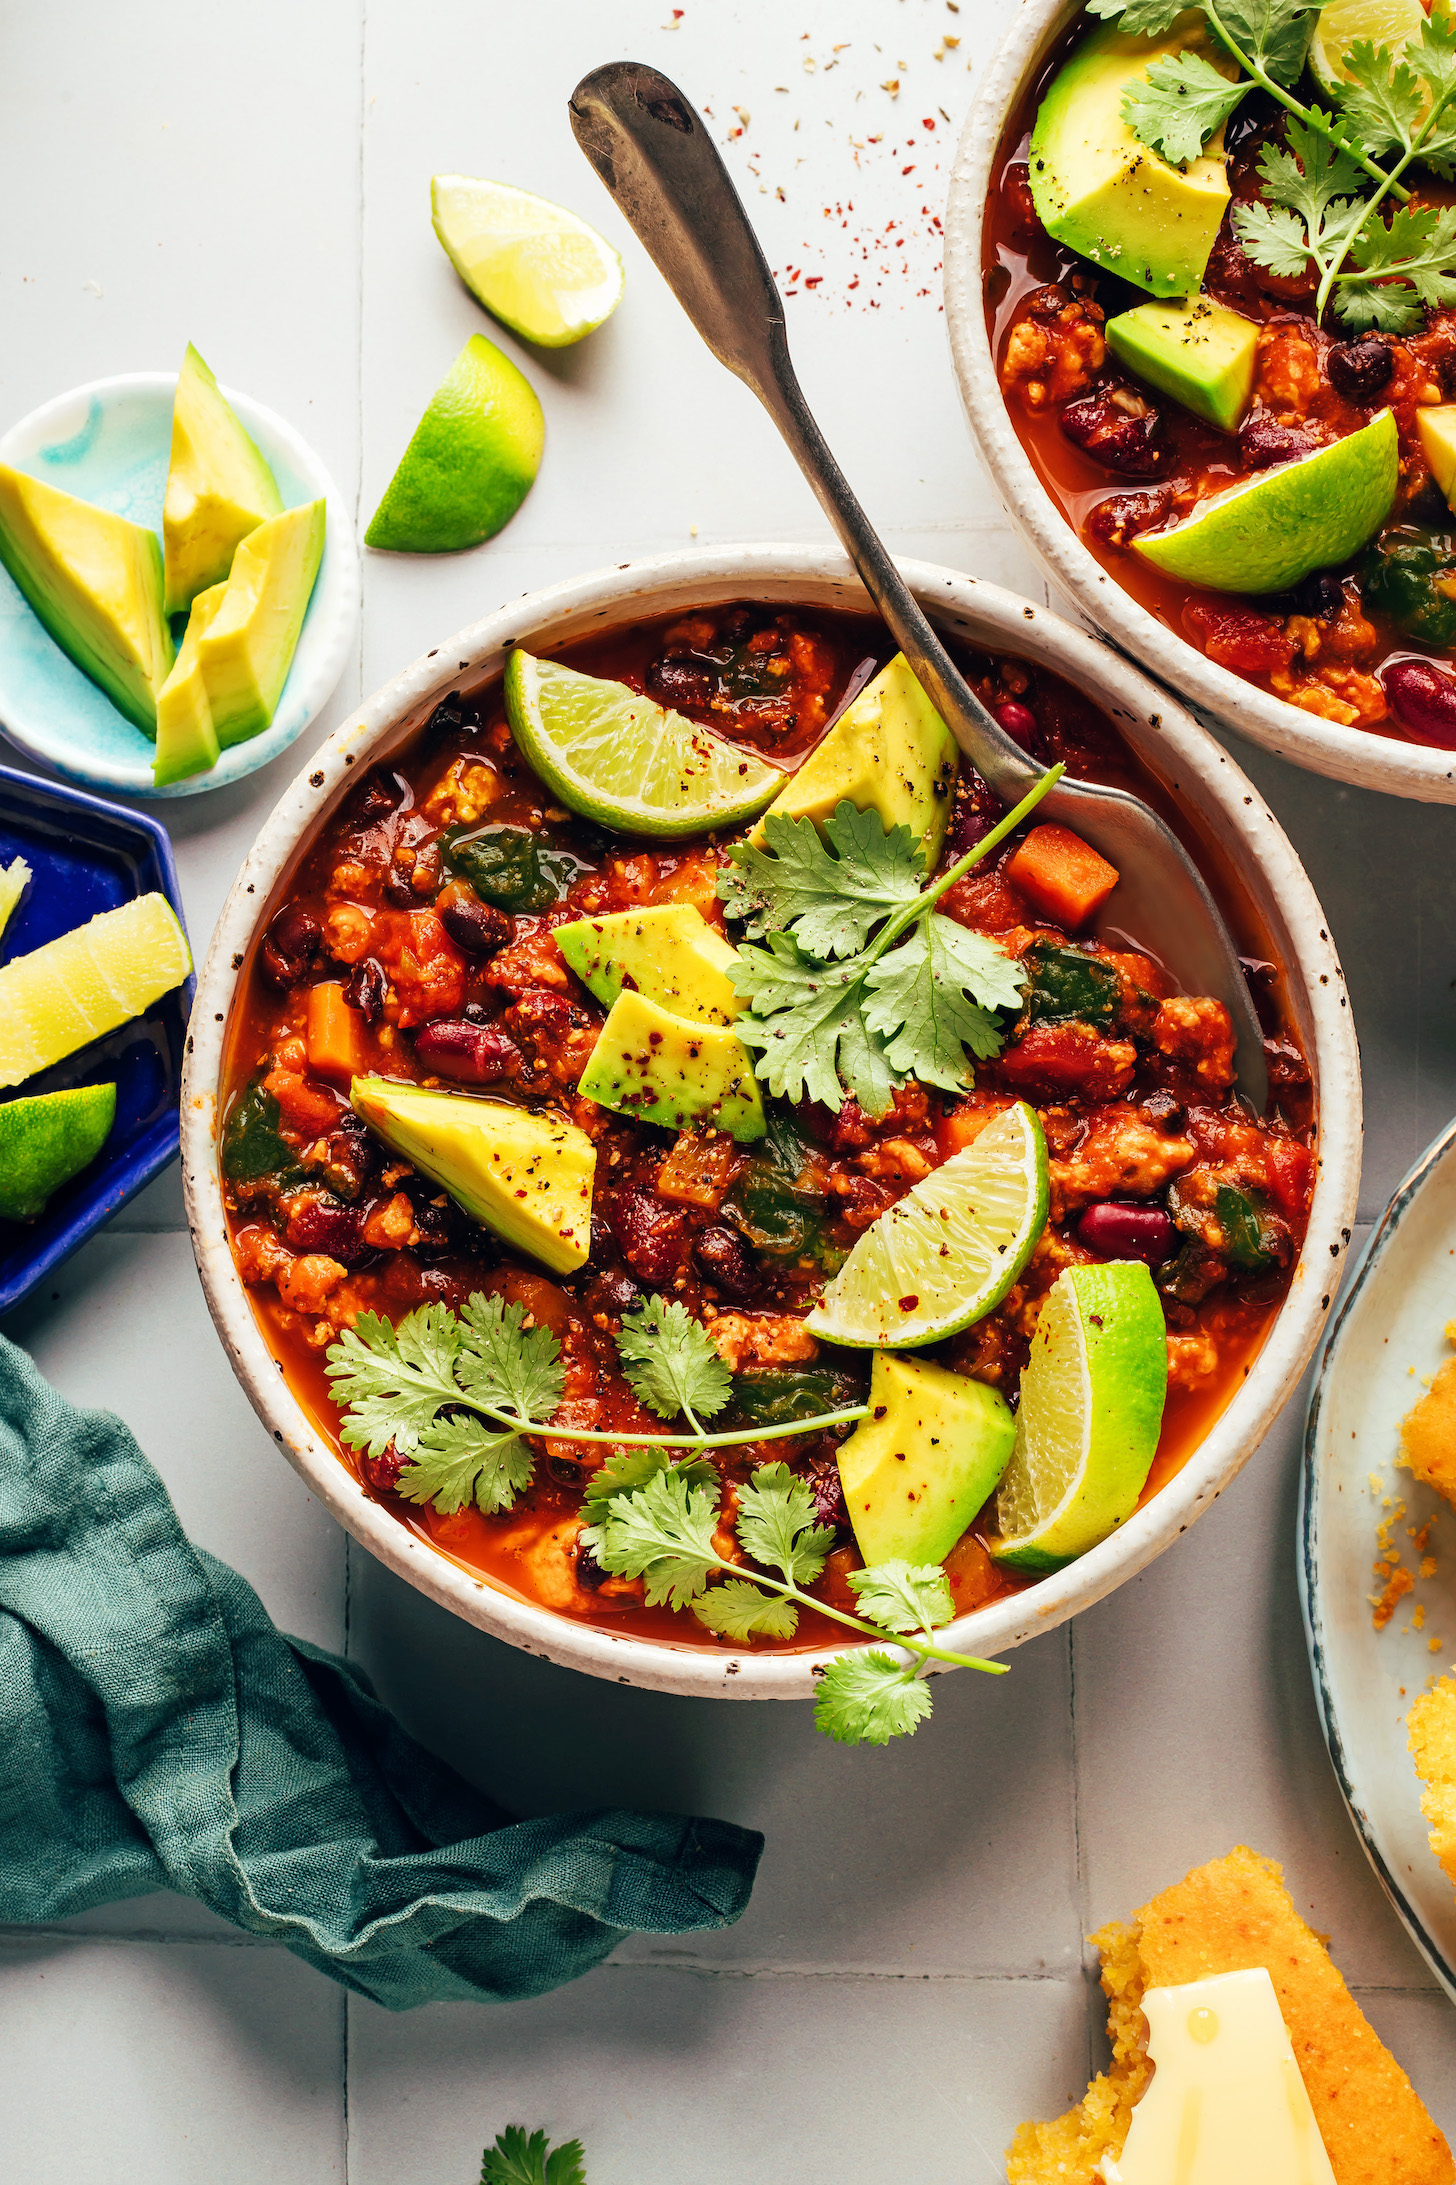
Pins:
x: 668, y: 1532
x: 518, y: 2160
x: 835, y: 1004
x: 1378, y: 256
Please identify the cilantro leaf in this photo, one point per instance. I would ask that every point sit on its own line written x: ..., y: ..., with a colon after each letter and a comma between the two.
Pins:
x: 868, y: 1697
x: 504, y: 1364
x: 663, y: 1534
x: 460, y: 1459
x: 1273, y: 236
x: 394, y: 1380
x: 739, y: 1611
x: 1179, y: 104
x: 1417, y: 245
x: 1386, y: 100
x: 516, y: 2160
x: 1146, y: 18
x: 628, y: 1469
x: 1274, y: 34
x: 830, y: 897
x: 903, y: 1596
x: 1311, y: 214
x: 808, y: 1021
x: 670, y: 1362
x: 921, y: 1008
x: 776, y: 1525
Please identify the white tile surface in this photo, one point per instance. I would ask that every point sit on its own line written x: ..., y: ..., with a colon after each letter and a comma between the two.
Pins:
x: 906, y: 1983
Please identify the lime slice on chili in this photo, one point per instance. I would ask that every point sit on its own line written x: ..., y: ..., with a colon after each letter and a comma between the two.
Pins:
x: 948, y: 1252
x: 535, y: 266
x: 615, y: 757
x: 1393, y: 23
x: 1270, y: 531
x: 471, y: 462
x: 1091, y: 1410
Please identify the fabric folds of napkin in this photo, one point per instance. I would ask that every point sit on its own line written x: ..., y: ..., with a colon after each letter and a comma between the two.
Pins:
x: 158, y: 1732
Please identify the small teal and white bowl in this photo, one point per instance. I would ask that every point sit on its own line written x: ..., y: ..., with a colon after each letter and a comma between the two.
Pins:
x: 110, y: 443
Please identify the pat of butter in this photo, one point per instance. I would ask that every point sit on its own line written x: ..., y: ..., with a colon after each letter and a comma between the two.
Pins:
x: 1226, y: 2105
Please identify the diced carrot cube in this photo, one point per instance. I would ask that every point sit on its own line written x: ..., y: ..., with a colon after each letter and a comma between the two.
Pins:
x: 333, y: 1034
x: 1061, y: 876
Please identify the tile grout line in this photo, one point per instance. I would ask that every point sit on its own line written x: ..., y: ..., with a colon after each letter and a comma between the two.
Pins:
x: 1084, y: 1920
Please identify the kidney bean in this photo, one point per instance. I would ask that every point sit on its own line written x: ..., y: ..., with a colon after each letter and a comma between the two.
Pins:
x: 318, y: 1224
x: 722, y: 1259
x: 1423, y: 699
x: 1124, y: 516
x: 1115, y: 1231
x: 1045, y: 303
x: 378, y: 794
x: 1019, y: 723
x: 613, y: 1292
x: 1321, y: 596
x: 821, y: 1475
x: 1119, y: 429
x: 382, y: 1472
x: 589, y: 1572
x: 475, y: 1054
x: 675, y: 682
x: 479, y: 928
x: 290, y: 945
x: 651, y: 1237
x: 1263, y: 441
x: 1359, y: 369
x: 365, y: 988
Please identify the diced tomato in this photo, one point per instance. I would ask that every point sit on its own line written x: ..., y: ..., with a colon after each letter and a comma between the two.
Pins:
x: 1290, y: 1166
x: 1068, y: 1058
x: 425, y: 967
x: 303, y: 1106
x: 1061, y: 876
x: 1239, y: 637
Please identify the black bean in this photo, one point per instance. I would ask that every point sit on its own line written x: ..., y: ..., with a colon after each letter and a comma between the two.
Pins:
x: 1359, y: 369
x: 293, y: 940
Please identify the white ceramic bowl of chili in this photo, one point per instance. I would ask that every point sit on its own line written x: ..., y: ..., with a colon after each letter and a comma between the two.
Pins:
x: 1216, y: 796
x: 1363, y: 757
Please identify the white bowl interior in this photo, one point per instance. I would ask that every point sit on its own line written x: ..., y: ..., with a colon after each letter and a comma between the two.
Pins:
x: 1207, y: 784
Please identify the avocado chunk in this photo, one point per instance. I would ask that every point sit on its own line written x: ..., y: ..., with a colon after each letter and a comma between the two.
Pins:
x: 1437, y: 428
x: 47, y: 1140
x: 527, y: 1177
x: 889, y: 752
x: 1105, y: 194
x: 219, y: 488
x: 1199, y: 353
x: 664, y: 1069
x: 668, y: 952
x: 95, y: 582
x: 186, y: 739
x: 931, y: 1452
x: 248, y: 649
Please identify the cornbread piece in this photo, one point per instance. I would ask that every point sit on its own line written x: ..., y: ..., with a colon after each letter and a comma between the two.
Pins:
x: 1432, y: 1727
x: 1229, y: 1916
x: 1428, y: 1431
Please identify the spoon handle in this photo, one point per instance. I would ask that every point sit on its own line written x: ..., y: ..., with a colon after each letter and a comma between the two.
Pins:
x: 654, y: 154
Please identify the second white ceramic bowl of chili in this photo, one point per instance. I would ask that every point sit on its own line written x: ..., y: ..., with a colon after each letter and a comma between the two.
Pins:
x: 1366, y: 758
x: 1225, y: 811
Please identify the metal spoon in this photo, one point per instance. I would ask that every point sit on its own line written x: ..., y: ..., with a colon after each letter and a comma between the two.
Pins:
x: 655, y: 156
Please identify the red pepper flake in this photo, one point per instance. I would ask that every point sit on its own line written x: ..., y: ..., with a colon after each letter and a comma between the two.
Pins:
x: 907, y: 170
x: 814, y: 280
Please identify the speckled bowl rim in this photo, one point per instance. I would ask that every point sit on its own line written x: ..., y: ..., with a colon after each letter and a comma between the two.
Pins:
x: 329, y: 627
x: 1188, y: 760
x: 1322, y: 747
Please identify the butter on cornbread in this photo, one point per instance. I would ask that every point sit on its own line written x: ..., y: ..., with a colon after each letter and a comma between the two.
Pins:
x: 1431, y: 1730
x: 1428, y: 1430
x: 1230, y: 1916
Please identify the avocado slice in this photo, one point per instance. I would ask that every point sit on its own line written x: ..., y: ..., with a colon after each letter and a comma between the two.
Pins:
x: 1199, y: 353
x: 245, y: 654
x: 95, y: 582
x: 889, y: 752
x: 219, y: 488
x: 1101, y: 191
x: 527, y: 1177
x: 1437, y: 428
x: 667, y: 951
x: 931, y: 1452
x: 186, y: 739
x: 668, y: 1070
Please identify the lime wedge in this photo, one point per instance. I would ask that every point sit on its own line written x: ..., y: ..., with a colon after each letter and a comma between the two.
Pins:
x: 1091, y: 1410
x: 88, y: 982
x: 1390, y: 23
x: 46, y: 1141
x: 536, y: 267
x: 14, y: 880
x: 948, y: 1252
x: 617, y: 758
x: 472, y: 461
x: 1269, y: 531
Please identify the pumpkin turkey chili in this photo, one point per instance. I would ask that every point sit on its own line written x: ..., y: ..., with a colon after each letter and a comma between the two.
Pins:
x: 488, y: 1049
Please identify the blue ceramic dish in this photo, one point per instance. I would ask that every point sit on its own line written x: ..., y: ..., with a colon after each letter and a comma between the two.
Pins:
x: 87, y: 856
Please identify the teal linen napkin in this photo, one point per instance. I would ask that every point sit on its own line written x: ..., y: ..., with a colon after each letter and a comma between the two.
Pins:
x: 158, y: 1732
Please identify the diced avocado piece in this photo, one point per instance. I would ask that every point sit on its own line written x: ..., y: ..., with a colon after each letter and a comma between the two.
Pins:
x: 246, y: 653
x: 47, y: 1140
x: 889, y: 752
x: 219, y: 488
x: 1105, y: 194
x: 668, y: 952
x: 931, y: 1452
x: 668, y: 1070
x: 527, y: 1177
x: 1199, y: 353
x: 1437, y: 428
x: 95, y: 582
x: 186, y: 739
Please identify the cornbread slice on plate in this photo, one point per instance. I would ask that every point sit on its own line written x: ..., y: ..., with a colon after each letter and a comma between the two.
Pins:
x: 1432, y: 1729
x: 1428, y: 1430
x: 1230, y: 1916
